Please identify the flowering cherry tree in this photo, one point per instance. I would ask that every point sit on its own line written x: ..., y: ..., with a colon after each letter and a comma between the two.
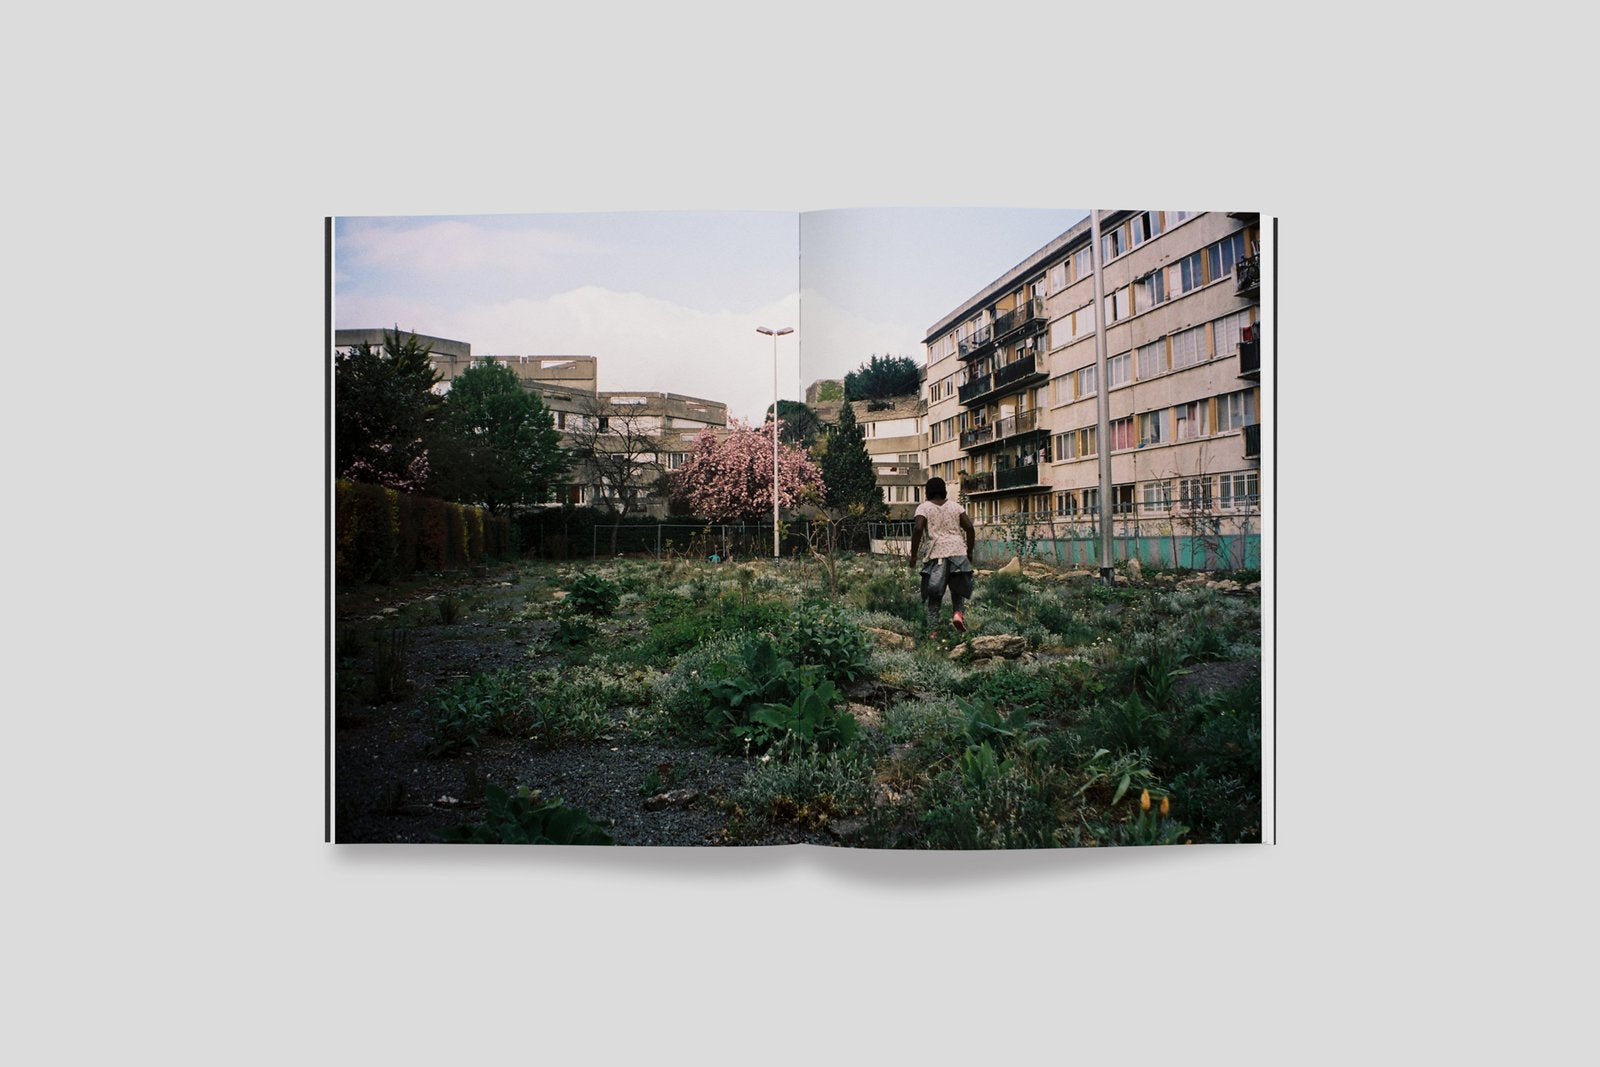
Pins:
x: 729, y: 477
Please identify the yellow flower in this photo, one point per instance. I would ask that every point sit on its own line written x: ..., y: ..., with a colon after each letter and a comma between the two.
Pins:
x: 1165, y: 807
x: 1144, y: 800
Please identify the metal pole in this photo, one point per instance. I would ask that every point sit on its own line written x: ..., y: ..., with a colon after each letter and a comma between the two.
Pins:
x: 775, y: 446
x: 1103, y: 401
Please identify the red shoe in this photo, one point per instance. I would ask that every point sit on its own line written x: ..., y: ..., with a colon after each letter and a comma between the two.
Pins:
x: 955, y: 620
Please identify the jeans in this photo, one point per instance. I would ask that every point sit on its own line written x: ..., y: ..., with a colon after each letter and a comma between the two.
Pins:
x: 952, y: 572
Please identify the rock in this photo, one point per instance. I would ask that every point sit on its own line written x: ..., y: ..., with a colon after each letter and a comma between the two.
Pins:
x: 389, y: 611
x: 846, y: 828
x: 1253, y: 587
x: 672, y: 798
x: 889, y: 639
x: 559, y: 594
x: 1135, y: 570
x: 1008, y: 646
x: 865, y: 714
x: 1227, y: 585
x: 1014, y: 567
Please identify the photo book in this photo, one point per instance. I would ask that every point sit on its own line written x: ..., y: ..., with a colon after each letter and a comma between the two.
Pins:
x: 887, y: 528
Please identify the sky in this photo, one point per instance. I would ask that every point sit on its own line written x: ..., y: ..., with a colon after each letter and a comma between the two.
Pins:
x: 670, y: 301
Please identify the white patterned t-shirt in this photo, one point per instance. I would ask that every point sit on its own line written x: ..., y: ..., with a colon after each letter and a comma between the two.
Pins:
x: 944, y: 536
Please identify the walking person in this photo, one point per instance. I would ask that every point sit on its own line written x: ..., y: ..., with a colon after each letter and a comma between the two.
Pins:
x: 950, y: 540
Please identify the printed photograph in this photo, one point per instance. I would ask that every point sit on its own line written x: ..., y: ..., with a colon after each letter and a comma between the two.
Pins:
x: 887, y: 528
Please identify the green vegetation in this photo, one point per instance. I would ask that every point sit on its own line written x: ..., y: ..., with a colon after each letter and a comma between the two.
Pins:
x: 1129, y: 716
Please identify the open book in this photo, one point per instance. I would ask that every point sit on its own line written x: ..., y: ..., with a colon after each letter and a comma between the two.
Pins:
x: 588, y: 591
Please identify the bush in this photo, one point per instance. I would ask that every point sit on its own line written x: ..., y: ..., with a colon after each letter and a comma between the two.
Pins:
x: 524, y: 819
x: 824, y: 636
x: 807, y: 790
x: 593, y: 595
x: 463, y: 714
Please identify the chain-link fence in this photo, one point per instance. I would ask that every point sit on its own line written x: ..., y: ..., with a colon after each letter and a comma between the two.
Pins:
x: 1210, y: 545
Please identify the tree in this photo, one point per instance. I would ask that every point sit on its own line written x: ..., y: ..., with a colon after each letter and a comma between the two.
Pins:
x: 847, y: 471
x: 620, y: 449
x: 495, y: 443
x: 729, y: 478
x: 882, y: 376
x: 797, y: 424
x: 383, y: 406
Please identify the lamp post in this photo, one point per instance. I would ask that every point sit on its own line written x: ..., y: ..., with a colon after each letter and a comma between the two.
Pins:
x: 774, y: 334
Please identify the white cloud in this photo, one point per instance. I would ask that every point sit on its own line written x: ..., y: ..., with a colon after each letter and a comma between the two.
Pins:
x: 647, y: 343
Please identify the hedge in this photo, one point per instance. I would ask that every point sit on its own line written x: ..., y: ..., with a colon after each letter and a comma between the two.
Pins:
x: 382, y: 534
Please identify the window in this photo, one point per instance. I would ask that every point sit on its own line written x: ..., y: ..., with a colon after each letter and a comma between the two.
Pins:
x: 1117, y: 305
x: 1221, y: 256
x: 1086, y: 381
x: 1172, y: 218
x: 1236, y: 409
x: 1083, y: 262
x: 1145, y: 225
x: 1152, y: 359
x: 1188, y: 347
x: 1074, y: 324
x: 1122, y: 433
x: 1242, y: 490
x: 1119, y: 370
x: 1061, y: 389
x: 1122, y: 499
x: 1058, y: 276
x: 1194, y: 494
x: 1157, y: 495
x: 1190, y: 274
x: 1228, y: 331
x: 1190, y: 420
x: 1151, y: 290
x: 1066, y: 503
x: 1152, y: 427
x: 1074, y: 444
x: 1114, y: 243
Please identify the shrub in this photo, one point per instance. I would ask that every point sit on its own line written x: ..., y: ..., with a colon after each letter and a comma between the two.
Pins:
x: 810, y: 722
x: 449, y: 609
x: 463, y: 714
x: 824, y: 636
x: 391, y: 651
x: 524, y: 819
x: 807, y: 790
x: 593, y: 595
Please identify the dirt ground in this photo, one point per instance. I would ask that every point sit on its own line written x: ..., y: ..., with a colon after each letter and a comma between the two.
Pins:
x: 388, y: 789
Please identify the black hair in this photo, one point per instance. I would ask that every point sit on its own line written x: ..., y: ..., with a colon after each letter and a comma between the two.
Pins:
x: 935, y: 489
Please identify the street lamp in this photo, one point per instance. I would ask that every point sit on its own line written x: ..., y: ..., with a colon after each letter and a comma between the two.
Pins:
x: 774, y: 334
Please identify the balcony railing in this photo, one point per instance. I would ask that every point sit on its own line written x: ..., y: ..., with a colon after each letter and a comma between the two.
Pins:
x: 1252, y: 441
x: 1029, y: 311
x: 1005, y: 428
x: 980, y: 339
x: 1012, y: 374
x: 977, y: 436
x: 1247, y: 275
x: 1028, y: 474
x: 1250, y: 359
x: 978, y: 483
x: 974, y: 389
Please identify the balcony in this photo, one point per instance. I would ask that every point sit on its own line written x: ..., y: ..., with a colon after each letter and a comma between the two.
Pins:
x: 1018, y: 477
x: 1250, y: 359
x: 1004, y: 429
x: 982, y: 339
x: 1018, y: 372
x: 1247, y: 276
x: 1252, y: 441
x: 977, y: 483
x: 1030, y: 313
x: 976, y: 436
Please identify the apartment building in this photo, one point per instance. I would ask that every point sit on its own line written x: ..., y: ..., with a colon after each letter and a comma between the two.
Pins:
x: 1012, y: 383
x: 895, y: 433
x: 641, y: 433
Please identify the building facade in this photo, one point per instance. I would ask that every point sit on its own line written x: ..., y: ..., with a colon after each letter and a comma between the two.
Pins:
x: 895, y: 433
x: 1012, y: 382
x: 639, y: 435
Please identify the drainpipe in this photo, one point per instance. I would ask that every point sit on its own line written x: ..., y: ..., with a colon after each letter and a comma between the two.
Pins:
x: 1102, y: 402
